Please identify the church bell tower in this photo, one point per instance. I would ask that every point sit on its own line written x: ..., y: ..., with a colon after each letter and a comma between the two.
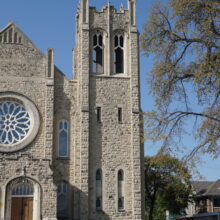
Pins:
x: 109, y: 153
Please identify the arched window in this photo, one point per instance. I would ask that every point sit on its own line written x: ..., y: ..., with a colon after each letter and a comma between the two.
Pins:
x: 98, y: 53
x: 119, y: 53
x: 62, y: 200
x: 120, y: 190
x: 98, y: 189
x: 63, y: 136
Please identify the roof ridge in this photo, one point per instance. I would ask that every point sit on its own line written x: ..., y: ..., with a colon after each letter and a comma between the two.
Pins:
x: 10, y: 23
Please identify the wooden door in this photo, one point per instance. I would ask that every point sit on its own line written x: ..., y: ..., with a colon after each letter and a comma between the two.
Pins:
x: 16, y: 208
x: 22, y: 208
x: 27, y: 208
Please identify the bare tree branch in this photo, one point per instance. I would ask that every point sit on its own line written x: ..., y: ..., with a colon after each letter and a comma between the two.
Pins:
x: 177, y: 114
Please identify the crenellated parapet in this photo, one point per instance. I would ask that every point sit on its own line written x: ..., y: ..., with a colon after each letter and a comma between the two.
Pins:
x: 122, y: 18
x: 109, y: 14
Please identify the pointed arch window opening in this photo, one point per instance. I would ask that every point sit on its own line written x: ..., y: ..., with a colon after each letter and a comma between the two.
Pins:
x: 98, y: 54
x: 121, y: 203
x: 98, y: 203
x: 99, y: 190
x: 118, y: 54
x: 120, y: 175
x: 62, y: 200
x: 121, y: 190
x: 63, y: 136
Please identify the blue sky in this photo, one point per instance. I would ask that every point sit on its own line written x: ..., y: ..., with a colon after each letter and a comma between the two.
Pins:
x: 51, y: 23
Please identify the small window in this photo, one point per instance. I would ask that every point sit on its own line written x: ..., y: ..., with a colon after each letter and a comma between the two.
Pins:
x: 98, y: 175
x: 62, y: 200
x: 99, y: 114
x: 98, y: 189
x: 63, y: 138
x: 120, y: 115
x: 120, y: 175
x: 216, y: 202
x: 98, y: 204
x: 98, y: 55
x: 119, y: 54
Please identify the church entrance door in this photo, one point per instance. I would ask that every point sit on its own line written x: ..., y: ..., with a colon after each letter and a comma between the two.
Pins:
x: 22, y: 208
x: 22, y: 201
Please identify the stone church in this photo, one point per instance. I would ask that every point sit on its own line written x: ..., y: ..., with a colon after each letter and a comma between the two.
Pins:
x: 70, y: 149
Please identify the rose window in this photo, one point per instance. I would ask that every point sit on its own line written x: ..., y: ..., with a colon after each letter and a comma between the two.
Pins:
x: 14, y: 123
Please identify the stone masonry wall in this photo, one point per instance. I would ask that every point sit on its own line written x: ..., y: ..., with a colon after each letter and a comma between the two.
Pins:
x: 65, y: 109
x: 23, y: 70
x: 113, y: 145
x: 110, y: 144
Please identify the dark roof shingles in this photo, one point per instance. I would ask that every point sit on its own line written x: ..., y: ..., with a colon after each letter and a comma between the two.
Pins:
x: 205, y: 188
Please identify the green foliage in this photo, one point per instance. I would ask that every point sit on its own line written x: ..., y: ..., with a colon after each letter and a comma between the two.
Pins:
x: 167, y: 186
x: 184, y: 37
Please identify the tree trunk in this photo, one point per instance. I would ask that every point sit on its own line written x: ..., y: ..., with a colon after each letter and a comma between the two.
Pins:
x: 151, y: 210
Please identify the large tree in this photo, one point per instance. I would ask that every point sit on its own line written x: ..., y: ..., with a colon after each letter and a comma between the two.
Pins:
x: 184, y: 37
x: 167, y: 186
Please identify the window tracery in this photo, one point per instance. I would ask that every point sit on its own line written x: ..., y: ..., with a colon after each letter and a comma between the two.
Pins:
x: 119, y: 53
x: 14, y: 122
x: 63, y: 135
x: 98, y: 53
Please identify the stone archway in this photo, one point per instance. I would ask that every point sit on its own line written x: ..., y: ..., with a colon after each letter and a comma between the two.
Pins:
x: 23, y: 196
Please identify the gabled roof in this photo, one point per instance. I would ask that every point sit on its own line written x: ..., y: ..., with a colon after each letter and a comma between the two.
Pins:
x: 11, y: 34
x: 206, y: 188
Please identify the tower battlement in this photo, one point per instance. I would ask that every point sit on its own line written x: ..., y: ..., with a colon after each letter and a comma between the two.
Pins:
x: 85, y: 11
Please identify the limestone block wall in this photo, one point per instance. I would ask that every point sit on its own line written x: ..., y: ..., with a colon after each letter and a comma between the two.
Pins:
x: 110, y: 144
x: 65, y: 109
x: 21, y: 60
x: 21, y: 73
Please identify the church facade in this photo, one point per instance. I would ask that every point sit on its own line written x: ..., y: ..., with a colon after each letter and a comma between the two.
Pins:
x: 71, y: 149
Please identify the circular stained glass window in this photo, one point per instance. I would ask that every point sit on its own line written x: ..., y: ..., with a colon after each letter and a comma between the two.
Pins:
x: 14, y: 122
x: 19, y: 121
